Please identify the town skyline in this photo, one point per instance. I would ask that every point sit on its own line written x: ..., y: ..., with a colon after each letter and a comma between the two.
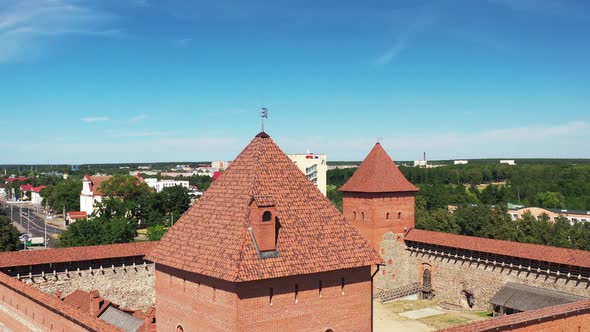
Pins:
x: 86, y: 82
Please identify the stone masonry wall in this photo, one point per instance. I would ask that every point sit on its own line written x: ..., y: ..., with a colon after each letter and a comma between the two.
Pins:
x: 452, y: 277
x: 129, y: 287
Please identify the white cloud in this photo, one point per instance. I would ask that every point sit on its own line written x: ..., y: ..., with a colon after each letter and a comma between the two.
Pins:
x: 95, y: 119
x: 137, y: 118
x: 28, y: 27
x: 401, y: 43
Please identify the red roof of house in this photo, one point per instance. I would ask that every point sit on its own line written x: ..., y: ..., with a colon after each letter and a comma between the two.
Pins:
x: 96, y: 181
x: 508, y: 248
x: 38, y: 189
x: 26, y: 187
x: 16, y: 179
x: 60, y: 255
x: 77, y: 214
x: 527, y: 318
x: 216, y: 175
x: 56, y: 305
x: 378, y: 174
x: 212, y: 237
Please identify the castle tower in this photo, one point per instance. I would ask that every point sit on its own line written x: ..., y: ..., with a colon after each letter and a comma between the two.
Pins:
x: 262, y: 250
x: 378, y: 198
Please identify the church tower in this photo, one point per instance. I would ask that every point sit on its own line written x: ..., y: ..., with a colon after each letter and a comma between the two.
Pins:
x: 378, y: 199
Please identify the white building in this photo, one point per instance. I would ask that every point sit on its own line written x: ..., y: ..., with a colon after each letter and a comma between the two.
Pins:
x: 420, y: 163
x: 508, y: 162
x: 314, y: 166
x: 36, y: 195
x: 461, y: 162
x: 91, y: 193
x: 220, y: 165
x: 161, y: 184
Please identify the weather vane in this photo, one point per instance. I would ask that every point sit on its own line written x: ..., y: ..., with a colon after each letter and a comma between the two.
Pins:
x: 263, y: 115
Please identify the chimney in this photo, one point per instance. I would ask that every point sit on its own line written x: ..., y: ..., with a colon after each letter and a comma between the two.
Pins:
x: 263, y: 220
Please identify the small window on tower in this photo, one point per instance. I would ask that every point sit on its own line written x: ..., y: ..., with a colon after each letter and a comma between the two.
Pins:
x: 363, y: 216
x: 387, y: 216
x: 399, y: 216
x: 179, y: 329
x: 266, y: 216
x: 353, y: 215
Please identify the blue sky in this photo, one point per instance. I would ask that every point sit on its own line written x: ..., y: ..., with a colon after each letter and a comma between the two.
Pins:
x: 136, y: 81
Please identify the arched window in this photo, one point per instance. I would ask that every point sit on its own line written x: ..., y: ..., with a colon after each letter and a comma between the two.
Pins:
x: 399, y: 216
x: 387, y: 216
x: 266, y: 216
x: 179, y: 329
x: 363, y: 216
x: 353, y: 215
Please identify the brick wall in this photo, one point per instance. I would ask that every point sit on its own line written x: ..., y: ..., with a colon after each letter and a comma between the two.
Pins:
x: 370, y: 212
x: 298, y: 304
x: 191, y: 300
x: 575, y: 323
x: 451, y: 277
x: 195, y: 302
x: 20, y: 313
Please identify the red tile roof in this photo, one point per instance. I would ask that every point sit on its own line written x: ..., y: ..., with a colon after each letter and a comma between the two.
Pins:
x: 38, y: 189
x: 527, y: 318
x: 77, y: 215
x: 212, y: 238
x: 34, y: 257
x: 26, y: 187
x: 79, y: 299
x: 16, y: 179
x: 508, y: 248
x: 378, y: 174
x: 96, y: 181
x: 54, y: 304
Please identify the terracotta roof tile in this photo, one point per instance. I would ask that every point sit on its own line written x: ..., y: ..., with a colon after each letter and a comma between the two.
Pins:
x: 34, y: 257
x: 508, y: 248
x: 528, y: 318
x: 212, y: 238
x: 378, y: 174
x: 56, y: 305
x: 79, y: 299
x: 96, y: 181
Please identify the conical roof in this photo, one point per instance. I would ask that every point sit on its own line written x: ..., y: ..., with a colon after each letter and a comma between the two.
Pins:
x: 212, y: 237
x: 377, y: 174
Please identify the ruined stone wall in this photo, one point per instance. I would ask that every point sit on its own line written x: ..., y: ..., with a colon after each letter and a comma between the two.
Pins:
x: 130, y: 287
x: 451, y: 277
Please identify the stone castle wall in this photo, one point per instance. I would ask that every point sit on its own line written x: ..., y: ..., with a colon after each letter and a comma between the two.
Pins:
x: 130, y: 287
x: 452, y: 278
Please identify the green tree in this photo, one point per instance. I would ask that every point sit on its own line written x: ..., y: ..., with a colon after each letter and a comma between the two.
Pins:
x: 334, y: 195
x: 174, y: 200
x: 156, y: 232
x: 98, y: 230
x: 8, y: 235
x: 65, y: 194
x: 550, y: 200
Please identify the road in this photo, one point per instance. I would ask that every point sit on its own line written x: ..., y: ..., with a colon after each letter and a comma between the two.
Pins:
x: 31, y: 221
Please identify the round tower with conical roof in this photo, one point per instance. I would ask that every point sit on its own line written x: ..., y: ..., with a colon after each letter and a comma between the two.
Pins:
x: 378, y: 199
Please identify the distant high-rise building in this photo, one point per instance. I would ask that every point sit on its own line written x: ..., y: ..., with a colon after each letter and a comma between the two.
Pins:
x: 314, y: 166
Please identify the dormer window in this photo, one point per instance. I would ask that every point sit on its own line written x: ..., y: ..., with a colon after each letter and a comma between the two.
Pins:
x: 264, y: 225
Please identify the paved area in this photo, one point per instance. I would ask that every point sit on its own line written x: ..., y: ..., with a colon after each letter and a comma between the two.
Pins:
x: 421, y: 313
x: 384, y: 320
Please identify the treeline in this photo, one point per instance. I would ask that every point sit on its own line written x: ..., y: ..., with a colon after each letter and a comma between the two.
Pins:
x: 548, y: 185
x: 495, y: 223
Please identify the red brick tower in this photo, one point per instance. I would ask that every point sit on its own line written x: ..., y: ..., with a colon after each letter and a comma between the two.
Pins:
x: 378, y: 198
x: 263, y: 250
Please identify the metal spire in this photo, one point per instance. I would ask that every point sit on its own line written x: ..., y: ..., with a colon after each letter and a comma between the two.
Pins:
x: 264, y: 115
